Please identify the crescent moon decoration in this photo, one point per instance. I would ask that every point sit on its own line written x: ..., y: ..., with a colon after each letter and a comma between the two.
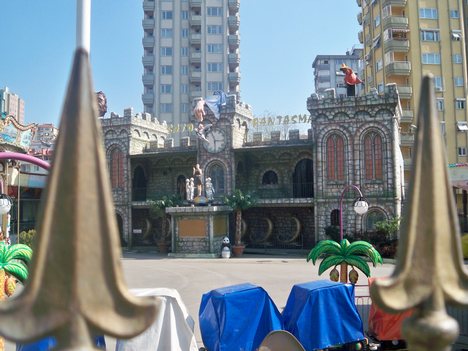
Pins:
x: 262, y: 238
x: 243, y: 228
x: 289, y: 237
x: 147, y: 229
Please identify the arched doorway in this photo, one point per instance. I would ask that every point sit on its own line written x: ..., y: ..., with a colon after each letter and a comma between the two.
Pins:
x: 303, y: 179
x: 139, y: 184
x: 181, y: 188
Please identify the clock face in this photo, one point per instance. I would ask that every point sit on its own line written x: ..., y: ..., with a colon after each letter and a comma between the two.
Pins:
x: 216, y: 141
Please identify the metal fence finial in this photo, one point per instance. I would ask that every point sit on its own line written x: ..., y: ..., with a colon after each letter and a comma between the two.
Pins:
x: 429, y: 268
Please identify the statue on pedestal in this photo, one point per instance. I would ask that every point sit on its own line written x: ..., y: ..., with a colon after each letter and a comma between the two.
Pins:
x: 197, y: 176
x: 209, y: 190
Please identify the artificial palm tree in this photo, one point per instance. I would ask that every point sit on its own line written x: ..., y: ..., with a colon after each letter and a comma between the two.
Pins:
x: 158, y: 209
x: 344, y: 254
x: 239, y: 202
x: 13, y: 268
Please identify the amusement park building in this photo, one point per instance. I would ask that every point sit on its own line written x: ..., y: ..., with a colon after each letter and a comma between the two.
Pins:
x: 298, y: 179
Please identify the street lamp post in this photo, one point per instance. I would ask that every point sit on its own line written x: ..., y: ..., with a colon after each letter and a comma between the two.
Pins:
x: 360, y: 205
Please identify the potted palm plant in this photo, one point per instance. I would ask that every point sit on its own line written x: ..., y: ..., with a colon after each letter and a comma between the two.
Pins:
x: 344, y: 254
x: 239, y: 202
x: 158, y: 210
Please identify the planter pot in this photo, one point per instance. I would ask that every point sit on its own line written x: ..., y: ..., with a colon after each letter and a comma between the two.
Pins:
x: 238, y: 250
x: 163, y: 247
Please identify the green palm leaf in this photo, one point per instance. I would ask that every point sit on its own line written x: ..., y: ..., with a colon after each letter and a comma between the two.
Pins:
x: 329, y: 262
x: 359, y: 263
x: 18, y: 252
x: 17, y: 269
x: 324, y: 247
x: 366, y: 249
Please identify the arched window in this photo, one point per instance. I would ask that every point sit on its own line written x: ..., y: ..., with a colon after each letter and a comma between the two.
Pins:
x: 373, y: 156
x: 335, y: 157
x: 303, y: 179
x: 116, y: 166
x: 335, y: 217
x: 139, y: 184
x: 373, y: 216
x: 269, y: 178
x: 216, y: 173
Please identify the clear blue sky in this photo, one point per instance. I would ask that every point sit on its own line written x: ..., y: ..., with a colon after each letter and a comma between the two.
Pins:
x: 278, y: 46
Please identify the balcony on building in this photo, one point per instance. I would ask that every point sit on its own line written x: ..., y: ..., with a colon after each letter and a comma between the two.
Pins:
x: 148, y: 5
x: 233, y: 22
x: 195, y: 3
x: 406, y: 115
x: 148, y: 98
x: 195, y: 20
x: 398, y: 68
x: 148, y: 79
x: 233, y: 41
x: 234, y: 5
x: 195, y: 57
x: 396, y: 22
x: 195, y: 94
x: 148, y: 60
x: 400, y: 45
x: 359, y: 18
x: 148, y: 23
x: 234, y: 59
x: 195, y: 38
x: 405, y: 92
x: 407, y: 139
x: 361, y: 37
x: 234, y: 77
x: 359, y: 3
x: 195, y: 76
x: 399, y: 3
x: 148, y: 42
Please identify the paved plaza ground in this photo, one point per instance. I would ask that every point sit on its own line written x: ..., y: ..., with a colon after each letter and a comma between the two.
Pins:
x: 193, y: 277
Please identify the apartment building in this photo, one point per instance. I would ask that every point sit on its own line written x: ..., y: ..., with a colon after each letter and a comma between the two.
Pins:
x: 191, y: 49
x: 404, y: 40
x: 327, y: 72
x: 11, y: 105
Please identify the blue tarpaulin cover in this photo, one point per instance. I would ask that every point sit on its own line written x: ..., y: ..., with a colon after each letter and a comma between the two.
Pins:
x: 237, y: 317
x: 322, y: 313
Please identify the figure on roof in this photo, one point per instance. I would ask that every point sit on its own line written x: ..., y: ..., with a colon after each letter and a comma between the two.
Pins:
x: 350, y: 80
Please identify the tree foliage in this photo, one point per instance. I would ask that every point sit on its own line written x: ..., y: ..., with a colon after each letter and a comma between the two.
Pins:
x: 239, y: 200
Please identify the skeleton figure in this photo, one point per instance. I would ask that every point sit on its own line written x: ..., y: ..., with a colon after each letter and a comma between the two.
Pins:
x: 192, y: 188
x: 188, y: 190
x: 209, y: 190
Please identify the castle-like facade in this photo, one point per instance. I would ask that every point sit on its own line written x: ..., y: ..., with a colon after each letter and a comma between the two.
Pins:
x: 298, y: 179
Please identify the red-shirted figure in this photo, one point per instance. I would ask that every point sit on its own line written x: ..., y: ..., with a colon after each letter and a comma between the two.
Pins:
x: 350, y: 79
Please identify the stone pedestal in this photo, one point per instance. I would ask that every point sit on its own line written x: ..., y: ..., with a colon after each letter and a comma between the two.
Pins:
x: 198, y: 230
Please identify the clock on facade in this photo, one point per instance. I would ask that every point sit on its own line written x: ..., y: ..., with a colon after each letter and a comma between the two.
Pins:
x: 216, y: 141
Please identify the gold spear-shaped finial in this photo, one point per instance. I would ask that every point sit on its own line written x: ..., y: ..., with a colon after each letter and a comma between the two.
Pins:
x: 76, y: 288
x: 429, y: 268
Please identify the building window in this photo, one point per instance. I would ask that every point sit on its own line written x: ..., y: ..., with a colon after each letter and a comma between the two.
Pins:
x: 184, y: 107
x: 462, y: 126
x: 166, y: 15
x: 460, y: 104
x: 215, y: 67
x: 184, y: 51
x: 380, y: 88
x: 335, y: 217
x: 303, y: 179
x: 216, y: 173
x: 430, y: 35
x: 335, y: 157
x: 429, y: 13
x: 270, y: 178
x: 454, y: 14
x: 185, y: 32
x: 457, y: 58
x: 438, y: 83
x: 379, y: 65
x: 214, y: 29
x: 184, y: 70
x: 166, y: 69
x: 431, y: 58
x: 166, y: 32
x: 456, y: 35
x: 184, y: 88
x: 166, y: 108
x: 215, y: 48
x: 372, y: 217
x: 116, y: 168
x: 166, y: 89
x: 462, y: 151
x: 458, y: 81
x: 184, y: 15
x: 214, y: 11
x: 373, y: 156
x: 166, y: 51
x: 440, y: 104
x: 213, y: 86
x: 376, y: 21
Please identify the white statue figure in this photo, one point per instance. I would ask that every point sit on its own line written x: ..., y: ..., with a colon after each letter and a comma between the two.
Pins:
x: 187, y: 190
x: 192, y: 188
x: 209, y: 190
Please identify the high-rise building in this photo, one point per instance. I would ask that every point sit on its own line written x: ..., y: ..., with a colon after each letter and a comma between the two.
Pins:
x: 327, y: 72
x: 11, y: 104
x: 191, y: 49
x: 404, y: 40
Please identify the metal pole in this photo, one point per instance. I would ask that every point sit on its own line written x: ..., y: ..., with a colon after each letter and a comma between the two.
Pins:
x: 18, y: 207
x: 341, y: 205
